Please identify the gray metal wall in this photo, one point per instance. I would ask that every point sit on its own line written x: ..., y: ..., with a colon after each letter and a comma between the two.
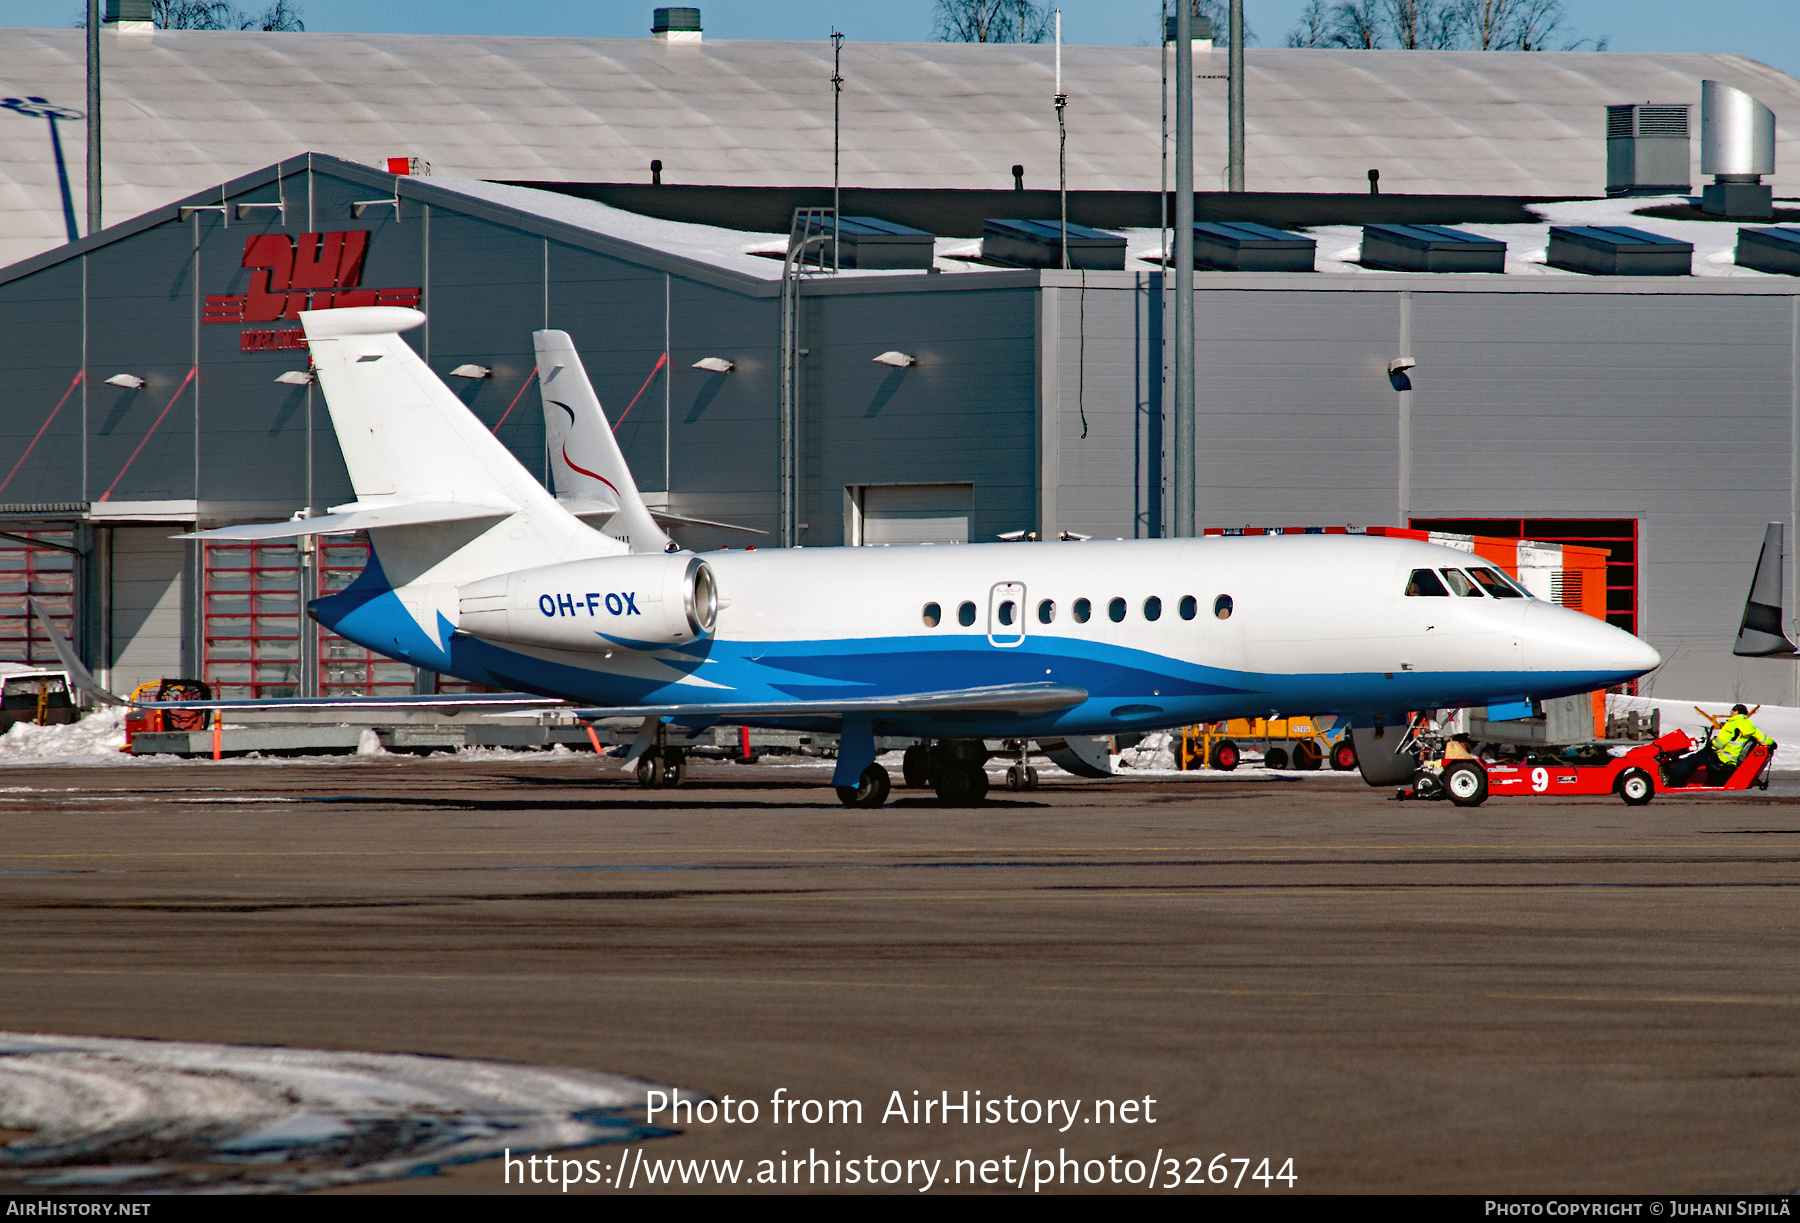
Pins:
x: 1672, y: 403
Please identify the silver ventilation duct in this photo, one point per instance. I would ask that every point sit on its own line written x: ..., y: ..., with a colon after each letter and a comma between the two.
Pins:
x: 1737, y: 147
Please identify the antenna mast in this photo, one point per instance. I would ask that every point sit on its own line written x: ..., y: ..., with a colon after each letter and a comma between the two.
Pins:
x: 1062, y: 145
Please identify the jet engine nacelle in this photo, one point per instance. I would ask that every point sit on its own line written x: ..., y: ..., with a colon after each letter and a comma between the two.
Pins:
x: 630, y: 602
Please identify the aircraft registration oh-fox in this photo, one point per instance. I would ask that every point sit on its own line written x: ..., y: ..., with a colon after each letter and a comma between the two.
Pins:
x: 478, y: 572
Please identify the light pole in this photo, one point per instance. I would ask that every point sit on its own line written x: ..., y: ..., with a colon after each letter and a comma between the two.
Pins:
x: 94, y: 215
x: 1184, y: 269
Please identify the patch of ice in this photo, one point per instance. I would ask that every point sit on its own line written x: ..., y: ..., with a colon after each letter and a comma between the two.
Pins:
x: 369, y: 743
x: 197, y: 1117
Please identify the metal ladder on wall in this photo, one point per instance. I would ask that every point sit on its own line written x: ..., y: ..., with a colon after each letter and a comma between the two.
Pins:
x: 811, y: 230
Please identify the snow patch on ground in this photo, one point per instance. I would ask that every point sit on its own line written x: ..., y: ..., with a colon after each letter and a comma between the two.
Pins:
x: 155, y: 1116
x: 99, y: 736
x: 1780, y: 722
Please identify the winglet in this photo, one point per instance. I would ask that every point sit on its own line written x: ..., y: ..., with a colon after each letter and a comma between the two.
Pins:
x: 1762, y: 633
x: 79, y: 675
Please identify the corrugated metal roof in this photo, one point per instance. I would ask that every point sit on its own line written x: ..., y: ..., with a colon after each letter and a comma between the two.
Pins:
x: 186, y: 109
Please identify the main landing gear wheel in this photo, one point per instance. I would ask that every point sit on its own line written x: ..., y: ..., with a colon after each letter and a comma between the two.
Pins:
x: 1225, y: 756
x: 662, y: 768
x: 1343, y: 756
x: 962, y: 784
x: 1307, y: 756
x: 915, y: 767
x: 871, y: 790
x: 1466, y: 783
x: 1021, y: 777
x: 1635, y: 787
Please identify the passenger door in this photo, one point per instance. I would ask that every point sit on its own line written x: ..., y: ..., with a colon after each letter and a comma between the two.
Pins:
x: 1006, y: 614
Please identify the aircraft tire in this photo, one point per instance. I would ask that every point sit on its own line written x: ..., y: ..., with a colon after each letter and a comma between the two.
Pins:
x: 1343, y: 756
x: 915, y: 767
x: 674, y: 769
x: 962, y: 784
x: 1225, y: 756
x: 870, y: 791
x: 649, y: 770
x: 1466, y: 783
x: 1307, y: 756
x: 1275, y: 758
x: 1031, y: 778
x: 1015, y: 778
x: 1636, y: 787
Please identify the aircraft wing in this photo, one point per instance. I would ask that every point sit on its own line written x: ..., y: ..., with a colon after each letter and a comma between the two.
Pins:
x: 999, y: 699
x: 84, y: 679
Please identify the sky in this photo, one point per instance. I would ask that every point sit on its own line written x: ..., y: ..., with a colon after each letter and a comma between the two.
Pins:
x: 1765, y: 30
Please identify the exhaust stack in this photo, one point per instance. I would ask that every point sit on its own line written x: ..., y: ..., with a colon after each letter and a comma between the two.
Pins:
x: 1737, y: 147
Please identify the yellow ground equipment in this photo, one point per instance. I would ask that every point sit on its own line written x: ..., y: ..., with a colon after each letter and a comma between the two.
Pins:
x: 1296, y: 742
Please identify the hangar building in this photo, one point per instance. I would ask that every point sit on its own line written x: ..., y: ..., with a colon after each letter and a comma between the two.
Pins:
x: 1658, y: 415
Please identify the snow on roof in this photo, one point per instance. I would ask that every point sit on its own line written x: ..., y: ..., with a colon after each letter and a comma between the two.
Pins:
x: 189, y: 109
x: 1339, y: 246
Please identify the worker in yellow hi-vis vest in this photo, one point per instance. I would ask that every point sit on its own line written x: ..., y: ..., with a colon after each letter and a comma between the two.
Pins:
x: 1722, y: 754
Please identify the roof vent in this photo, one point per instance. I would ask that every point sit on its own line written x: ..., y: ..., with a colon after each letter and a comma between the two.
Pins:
x: 1430, y: 248
x: 676, y: 25
x: 1617, y: 250
x: 1038, y: 244
x: 1737, y: 147
x: 1647, y: 149
x: 132, y: 16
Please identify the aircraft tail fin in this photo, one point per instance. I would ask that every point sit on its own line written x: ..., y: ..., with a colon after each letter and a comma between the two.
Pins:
x: 1762, y: 633
x: 584, y: 456
x: 439, y: 494
x: 404, y: 435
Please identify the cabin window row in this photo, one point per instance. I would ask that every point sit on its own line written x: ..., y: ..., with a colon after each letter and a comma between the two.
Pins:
x: 1478, y: 582
x: 1082, y: 610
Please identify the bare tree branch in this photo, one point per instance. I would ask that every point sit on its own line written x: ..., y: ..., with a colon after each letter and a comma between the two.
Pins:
x: 991, y: 21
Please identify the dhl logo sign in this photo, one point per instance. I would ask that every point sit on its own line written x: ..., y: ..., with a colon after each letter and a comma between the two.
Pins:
x: 312, y: 272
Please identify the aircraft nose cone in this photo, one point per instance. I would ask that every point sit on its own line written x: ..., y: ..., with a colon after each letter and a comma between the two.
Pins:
x: 1558, y: 639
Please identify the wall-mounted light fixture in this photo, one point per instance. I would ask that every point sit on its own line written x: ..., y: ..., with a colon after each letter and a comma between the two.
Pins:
x: 898, y: 360
x: 714, y: 365
x: 130, y: 382
x: 1397, y: 373
x: 470, y: 371
x: 296, y: 377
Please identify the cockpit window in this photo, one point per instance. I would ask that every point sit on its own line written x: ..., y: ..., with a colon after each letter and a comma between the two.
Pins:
x: 1425, y: 582
x: 1460, y: 584
x: 1496, y: 585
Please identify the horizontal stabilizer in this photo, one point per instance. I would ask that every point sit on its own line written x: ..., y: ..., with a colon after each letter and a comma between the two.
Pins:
x: 1001, y: 700
x: 679, y: 520
x: 600, y: 504
x: 406, y: 515
x: 1762, y: 633
x: 589, y: 507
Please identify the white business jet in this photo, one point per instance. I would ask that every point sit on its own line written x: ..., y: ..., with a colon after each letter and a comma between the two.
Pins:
x: 478, y: 572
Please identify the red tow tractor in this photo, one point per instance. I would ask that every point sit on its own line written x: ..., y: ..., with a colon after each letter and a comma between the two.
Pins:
x: 1635, y: 775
